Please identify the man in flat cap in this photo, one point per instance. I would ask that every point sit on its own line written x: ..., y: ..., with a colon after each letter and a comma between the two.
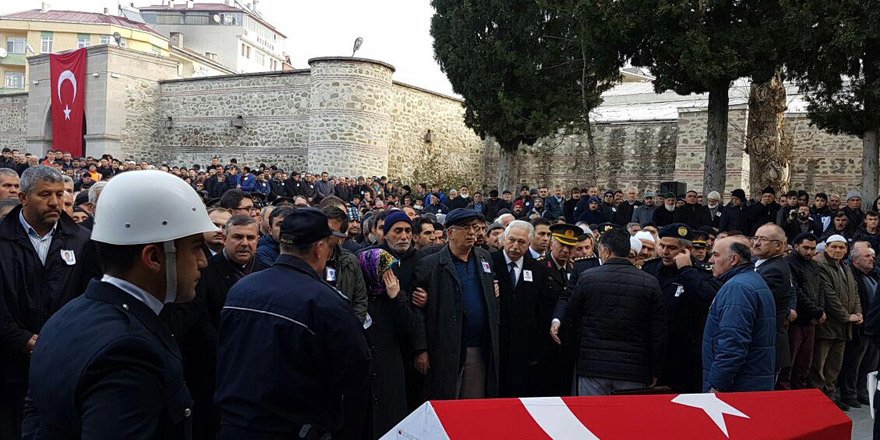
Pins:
x: 457, y: 338
x: 688, y: 289
x: 287, y: 337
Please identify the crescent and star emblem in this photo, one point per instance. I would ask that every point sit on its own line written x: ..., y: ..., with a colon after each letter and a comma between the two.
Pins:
x: 67, y: 75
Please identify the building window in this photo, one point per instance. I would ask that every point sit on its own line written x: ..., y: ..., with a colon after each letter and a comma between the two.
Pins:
x: 14, y: 80
x: 260, y: 57
x: 83, y: 40
x: 16, y: 45
x: 243, y: 49
x: 46, y: 42
x: 106, y: 39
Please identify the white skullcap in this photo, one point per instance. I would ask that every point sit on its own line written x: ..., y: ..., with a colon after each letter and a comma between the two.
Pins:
x: 644, y: 235
x: 835, y: 239
x: 635, y: 244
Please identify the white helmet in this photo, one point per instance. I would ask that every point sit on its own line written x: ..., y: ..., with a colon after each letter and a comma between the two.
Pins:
x: 142, y: 207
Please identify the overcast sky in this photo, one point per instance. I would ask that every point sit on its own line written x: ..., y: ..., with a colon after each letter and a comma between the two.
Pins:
x: 394, y: 31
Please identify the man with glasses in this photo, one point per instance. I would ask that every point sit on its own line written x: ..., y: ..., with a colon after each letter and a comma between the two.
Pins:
x: 768, y: 248
x: 457, y: 339
x: 239, y: 202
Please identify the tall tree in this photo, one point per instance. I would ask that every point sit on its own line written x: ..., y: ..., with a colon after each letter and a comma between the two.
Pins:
x: 768, y: 149
x: 836, y: 61
x: 702, y: 46
x: 493, y: 53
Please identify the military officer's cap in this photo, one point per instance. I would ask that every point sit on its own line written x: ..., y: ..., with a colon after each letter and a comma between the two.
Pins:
x: 605, y: 227
x: 566, y: 234
x: 700, y: 239
x: 677, y: 230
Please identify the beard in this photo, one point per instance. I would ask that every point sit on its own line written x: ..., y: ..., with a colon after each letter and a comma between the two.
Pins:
x: 669, y: 208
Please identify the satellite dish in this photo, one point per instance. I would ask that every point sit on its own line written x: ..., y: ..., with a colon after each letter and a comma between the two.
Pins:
x: 216, y: 18
x: 357, y: 45
x: 3, y: 53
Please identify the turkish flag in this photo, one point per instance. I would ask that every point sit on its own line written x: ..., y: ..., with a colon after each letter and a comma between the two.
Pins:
x: 771, y: 415
x: 68, y: 73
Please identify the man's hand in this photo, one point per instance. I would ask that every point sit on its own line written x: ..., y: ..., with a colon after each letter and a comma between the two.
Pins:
x: 854, y: 318
x: 392, y: 285
x: 32, y: 342
x: 420, y: 298
x: 554, y: 331
x: 792, y: 315
x: 823, y: 318
x: 421, y: 363
x: 683, y: 259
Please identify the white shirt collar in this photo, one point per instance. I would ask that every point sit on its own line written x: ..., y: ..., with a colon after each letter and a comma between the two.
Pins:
x: 140, y: 294
x: 519, y: 263
x: 28, y: 229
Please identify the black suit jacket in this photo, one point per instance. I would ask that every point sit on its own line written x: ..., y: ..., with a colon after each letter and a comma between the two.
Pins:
x: 777, y: 274
x: 196, y: 326
x: 107, y: 366
x: 519, y: 328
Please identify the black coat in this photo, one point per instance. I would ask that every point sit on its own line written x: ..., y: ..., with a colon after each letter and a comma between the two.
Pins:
x: 777, y: 274
x: 442, y: 326
x: 556, y: 363
x: 32, y: 292
x: 807, y: 282
x: 389, y: 336
x: 625, y: 212
x: 759, y: 215
x: 622, y: 316
x: 519, y: 326
x: 662, y: 217
x: 865, y: 297
x: 733, y: 218
x: 795, y: 228
x: 693, y: 215
x: 196, y: 326
x: 688, y: 293
x: 105, y: 365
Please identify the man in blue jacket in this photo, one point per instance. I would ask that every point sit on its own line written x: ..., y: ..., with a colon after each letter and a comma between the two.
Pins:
x: 105, y: 366
x: 739, y: 341
x: 292, y: 358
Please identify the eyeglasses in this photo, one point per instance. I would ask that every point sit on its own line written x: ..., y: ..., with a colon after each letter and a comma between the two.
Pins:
x: 248, y: 209
x: 759, y: 239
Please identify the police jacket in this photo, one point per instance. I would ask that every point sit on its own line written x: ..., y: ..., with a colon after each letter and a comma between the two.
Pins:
x: 32, y: 291
x: 105, y: 367
x: 622, y: 316
x: 290, y: 348
x: 739, y: 342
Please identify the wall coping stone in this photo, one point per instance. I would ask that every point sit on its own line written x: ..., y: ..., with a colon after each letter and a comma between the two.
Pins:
x: 352, y: 60
x: 236, y: 76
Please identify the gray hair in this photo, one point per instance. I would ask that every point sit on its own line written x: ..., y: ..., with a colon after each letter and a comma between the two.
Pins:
x: 40, y: 173
x: 501, y: 217
x: 8, y: 172
x: 95, y: 192
x: 67, y: 179
x: 520, y: 224
x: 239, y: 220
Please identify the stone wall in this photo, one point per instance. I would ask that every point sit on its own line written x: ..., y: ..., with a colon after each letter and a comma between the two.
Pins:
x: 275, y: 118
x: 634, y: 154
x: 823, y: 162
x: 13, y: 120
x: 691, y: 147
x: 454, y: 153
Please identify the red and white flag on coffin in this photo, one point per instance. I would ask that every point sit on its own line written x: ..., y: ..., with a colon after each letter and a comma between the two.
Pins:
x: 68, y: 82
x: 803, y: 414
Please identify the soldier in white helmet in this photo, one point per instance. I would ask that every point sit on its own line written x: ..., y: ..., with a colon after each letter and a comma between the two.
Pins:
x: 105, y: 366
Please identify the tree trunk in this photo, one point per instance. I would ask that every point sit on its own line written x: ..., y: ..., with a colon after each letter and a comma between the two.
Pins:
x: 715, y: 165
x: 592, y: 159
x: 869, y: 166
x: 769, y: 154
x: 506, y: 170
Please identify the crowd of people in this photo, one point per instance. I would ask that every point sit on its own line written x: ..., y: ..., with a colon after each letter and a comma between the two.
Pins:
x: 272, y: 304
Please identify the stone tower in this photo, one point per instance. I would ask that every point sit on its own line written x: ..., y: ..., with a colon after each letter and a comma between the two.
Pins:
x: 349, y: 116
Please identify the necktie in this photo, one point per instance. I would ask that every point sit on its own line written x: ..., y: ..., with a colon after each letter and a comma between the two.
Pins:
x: 513, y: 274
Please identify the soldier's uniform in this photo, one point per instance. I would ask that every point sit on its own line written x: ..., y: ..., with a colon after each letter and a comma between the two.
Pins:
x: 556, y: 363
x: 688, y: 292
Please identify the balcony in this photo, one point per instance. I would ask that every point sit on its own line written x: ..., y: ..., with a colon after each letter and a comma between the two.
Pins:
x: 14, y: 59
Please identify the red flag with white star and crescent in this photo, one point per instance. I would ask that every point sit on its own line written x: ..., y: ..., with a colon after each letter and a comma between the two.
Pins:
x: 68, y: 83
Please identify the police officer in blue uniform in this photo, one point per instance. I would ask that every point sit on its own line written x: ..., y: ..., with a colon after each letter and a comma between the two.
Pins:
x: 688, y: 288
x: 104, y: 366
x: 292, y: 354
